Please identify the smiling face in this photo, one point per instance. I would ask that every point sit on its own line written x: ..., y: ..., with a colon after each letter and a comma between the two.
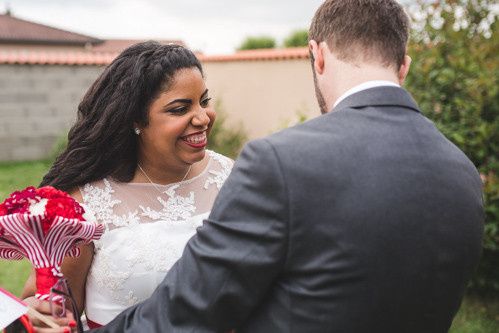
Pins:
x: 180, y: 120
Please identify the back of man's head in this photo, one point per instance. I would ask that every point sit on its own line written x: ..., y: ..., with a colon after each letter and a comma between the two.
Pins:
x: 363, y: 30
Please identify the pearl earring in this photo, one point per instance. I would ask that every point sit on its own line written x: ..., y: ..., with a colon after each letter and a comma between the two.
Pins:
x: 137, y: 130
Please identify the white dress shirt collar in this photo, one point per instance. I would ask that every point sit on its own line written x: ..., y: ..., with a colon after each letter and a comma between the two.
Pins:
x: 364, y: 86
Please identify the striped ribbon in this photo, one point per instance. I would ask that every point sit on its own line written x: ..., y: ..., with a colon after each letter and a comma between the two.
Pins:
x: 22, y: 236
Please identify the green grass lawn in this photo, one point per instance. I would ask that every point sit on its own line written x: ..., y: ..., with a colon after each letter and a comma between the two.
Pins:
x: 475, y: 316
x: 18, y: 175
x: 13, y: 274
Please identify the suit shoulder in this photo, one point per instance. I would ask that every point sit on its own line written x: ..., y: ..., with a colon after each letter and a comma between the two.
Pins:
x: 301, y: 133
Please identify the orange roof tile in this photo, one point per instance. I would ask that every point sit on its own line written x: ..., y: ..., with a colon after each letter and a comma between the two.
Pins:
x: 259, y: 55
x: 103, y: 58
x: 56, y: 58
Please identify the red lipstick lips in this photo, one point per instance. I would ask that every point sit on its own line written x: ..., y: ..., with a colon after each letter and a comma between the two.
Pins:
x: 196, y: 140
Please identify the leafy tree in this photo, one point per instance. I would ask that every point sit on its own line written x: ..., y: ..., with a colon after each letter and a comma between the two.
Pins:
x: 297, y: 38
x: 258, y: 42
x: 455, y: 79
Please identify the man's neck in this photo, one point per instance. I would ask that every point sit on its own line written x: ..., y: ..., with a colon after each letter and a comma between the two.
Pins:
x: 348, y: 79
x: 351, y: 76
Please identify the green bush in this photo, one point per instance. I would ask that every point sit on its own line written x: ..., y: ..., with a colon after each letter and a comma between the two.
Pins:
x: 258, y: 42
x: 224, y: 139
x: 297, y: 38
x: 454, y: 77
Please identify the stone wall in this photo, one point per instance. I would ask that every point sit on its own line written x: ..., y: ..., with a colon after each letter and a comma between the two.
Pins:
x: 38, y: 104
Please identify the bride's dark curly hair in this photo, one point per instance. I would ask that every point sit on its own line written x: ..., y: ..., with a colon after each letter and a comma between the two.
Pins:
x: 102, y: 142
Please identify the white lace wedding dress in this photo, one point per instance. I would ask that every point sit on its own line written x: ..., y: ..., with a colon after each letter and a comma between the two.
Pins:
x: 146, y: 232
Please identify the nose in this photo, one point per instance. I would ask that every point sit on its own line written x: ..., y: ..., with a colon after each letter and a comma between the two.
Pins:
x: 200, y: 119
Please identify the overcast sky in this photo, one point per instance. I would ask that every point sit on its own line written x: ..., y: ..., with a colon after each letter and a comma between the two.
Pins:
x: 211, y: 26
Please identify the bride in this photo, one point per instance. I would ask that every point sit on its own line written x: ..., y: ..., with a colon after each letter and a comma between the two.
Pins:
x: 137, y: 158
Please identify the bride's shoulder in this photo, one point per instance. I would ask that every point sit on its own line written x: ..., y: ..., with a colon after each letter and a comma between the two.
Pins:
x: 96, y: 189
x: 218, y: 169
x: 222, y: 160
x: 80, y: 193
x: 76, y: 194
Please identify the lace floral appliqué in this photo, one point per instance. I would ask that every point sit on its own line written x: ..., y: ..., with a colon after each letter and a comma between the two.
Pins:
x: 101, y: 202
x: 219, y: 177
x: 176, y: 208
x: 154, y: 256
x: 109, y: 277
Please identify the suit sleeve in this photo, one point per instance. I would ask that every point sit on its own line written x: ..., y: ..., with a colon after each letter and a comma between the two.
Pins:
x: 229, y: 265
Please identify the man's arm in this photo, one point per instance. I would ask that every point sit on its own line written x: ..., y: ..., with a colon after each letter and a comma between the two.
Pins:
x: 229, y: 265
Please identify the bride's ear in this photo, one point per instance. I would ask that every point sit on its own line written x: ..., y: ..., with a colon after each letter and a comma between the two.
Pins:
x: 136, y: 129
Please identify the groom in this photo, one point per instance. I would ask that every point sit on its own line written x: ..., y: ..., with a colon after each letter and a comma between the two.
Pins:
x: 365, y: 219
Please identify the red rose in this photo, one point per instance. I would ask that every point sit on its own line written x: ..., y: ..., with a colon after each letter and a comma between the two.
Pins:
x: 60, y: 203
x: 49, y: 192
x: 19, y: 201
x: 65, y: 207
x: 3, y: 210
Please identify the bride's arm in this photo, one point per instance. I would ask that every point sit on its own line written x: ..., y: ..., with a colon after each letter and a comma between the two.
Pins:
x: 75, y: 270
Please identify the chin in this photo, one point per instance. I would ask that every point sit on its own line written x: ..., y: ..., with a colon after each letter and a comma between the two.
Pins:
x: 193, y: 157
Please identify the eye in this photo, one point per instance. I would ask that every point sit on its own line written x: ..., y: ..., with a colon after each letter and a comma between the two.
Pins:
x: 179, y: 111
x: 205, y: 102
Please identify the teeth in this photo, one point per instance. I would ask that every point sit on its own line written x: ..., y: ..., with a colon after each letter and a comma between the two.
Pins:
x: 196, y: 138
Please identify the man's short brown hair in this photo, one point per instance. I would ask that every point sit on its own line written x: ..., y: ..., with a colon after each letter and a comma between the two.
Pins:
x: 375, y: 30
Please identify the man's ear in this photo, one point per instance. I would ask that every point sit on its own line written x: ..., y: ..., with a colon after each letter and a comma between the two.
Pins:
x: 317, y: 53
x: 404, y: 69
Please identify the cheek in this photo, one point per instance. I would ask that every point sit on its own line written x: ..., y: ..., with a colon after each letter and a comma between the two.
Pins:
x: 176, y: 124
x: 169, y: 131
x: 212, y: 115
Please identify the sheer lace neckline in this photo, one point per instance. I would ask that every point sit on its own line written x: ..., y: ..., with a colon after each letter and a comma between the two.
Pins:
x: 187, y: 181
x: 117, y: 204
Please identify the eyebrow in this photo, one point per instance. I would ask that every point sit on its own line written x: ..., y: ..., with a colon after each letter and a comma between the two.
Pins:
x: 186, y: 100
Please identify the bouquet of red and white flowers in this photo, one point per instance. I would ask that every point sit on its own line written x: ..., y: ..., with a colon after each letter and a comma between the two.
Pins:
x: 44, y: 225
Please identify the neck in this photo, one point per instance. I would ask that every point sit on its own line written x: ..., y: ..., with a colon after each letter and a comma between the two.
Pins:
x: 349, y: 76
x: 160, y: 174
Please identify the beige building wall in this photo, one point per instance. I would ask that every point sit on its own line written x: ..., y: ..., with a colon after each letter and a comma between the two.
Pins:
x: 263, y: 96
x: 38, y: 103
